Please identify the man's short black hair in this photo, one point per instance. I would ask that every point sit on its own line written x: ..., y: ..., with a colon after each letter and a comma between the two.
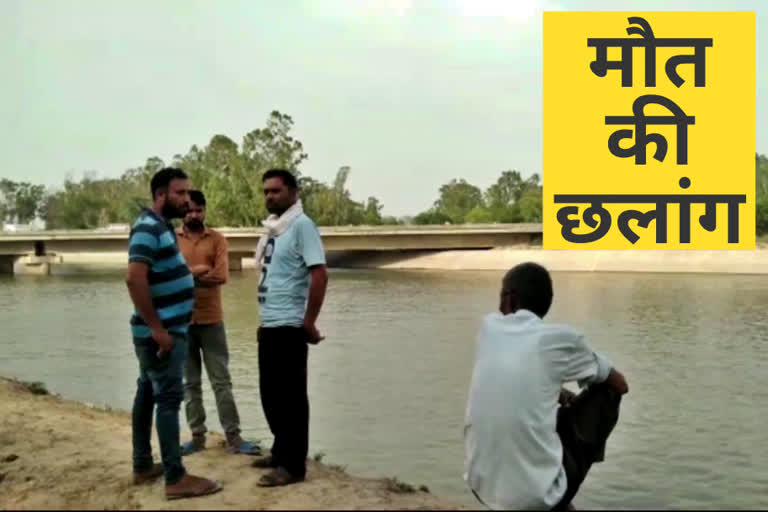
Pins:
x: 531, y: 285
x: 197, y: 197
x: 289, y: 180
x: 164, y: 177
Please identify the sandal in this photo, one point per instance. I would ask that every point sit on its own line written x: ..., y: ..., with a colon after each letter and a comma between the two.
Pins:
x: 191, y: 447
x: 264, y: 463
x: 278, y: 477
x: 192, y: 487
x: 246, y: 448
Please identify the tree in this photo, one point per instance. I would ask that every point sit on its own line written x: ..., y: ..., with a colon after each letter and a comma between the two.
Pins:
x: 761, y: 193
x: 511, y: 199
x: 530, y: 205
x: 232, y: 178
x: 340, y: 203
x: 273, y: 146
x: 78, y: 206
x: 372, y: 214
x: 457, y: 199
x: 479, y: 215
x: 20, y: 202
x: 505, y: 196
x: 333, y: 206
x: 432, y: 216
x: 7, y: 199
x: 228, y: 174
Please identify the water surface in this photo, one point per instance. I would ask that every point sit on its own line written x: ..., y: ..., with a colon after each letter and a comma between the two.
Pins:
x: 388, y: 385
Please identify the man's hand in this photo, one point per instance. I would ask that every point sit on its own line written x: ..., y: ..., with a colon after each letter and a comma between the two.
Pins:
x: 617, y: 382
x: 313, y: 335
x: 164, y: 341
x: 566, y: 397
x: 200, y: 270
x: 317, y: 285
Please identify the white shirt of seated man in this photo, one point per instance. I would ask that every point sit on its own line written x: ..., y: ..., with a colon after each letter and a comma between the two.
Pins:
x: 513, y: 454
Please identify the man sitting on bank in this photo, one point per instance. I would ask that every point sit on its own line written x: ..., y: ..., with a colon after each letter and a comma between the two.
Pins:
x: 522, y: 452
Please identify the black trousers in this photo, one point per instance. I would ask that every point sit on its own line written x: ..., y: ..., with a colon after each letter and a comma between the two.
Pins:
x: 584, y: 427
x: 283, y: 355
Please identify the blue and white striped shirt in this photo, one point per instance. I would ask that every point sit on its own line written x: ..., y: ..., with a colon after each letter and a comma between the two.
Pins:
x: 153, y: 241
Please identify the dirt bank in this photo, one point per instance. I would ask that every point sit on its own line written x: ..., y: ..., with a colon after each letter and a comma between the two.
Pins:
x: 60, y: 454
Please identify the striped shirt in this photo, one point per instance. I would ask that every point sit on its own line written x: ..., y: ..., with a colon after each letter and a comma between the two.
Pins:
x: 153, y: 241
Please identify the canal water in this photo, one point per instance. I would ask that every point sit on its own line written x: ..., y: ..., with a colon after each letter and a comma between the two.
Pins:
x: 388, y: 385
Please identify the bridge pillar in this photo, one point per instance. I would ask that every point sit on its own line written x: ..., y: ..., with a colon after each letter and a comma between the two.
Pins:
x: 235, y: 261
x: 6, y: 263
x: 37, y: 265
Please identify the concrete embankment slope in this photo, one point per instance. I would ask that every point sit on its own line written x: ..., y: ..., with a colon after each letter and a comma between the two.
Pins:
x: 59, y: 454
x: 736, y: 262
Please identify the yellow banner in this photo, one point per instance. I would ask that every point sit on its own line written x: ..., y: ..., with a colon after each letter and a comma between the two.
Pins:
x: 649, y: 130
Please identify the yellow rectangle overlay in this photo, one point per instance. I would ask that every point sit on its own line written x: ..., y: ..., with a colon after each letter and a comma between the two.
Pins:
x: 649, y: 130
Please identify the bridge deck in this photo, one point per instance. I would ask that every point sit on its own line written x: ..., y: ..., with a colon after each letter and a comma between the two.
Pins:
x: 99, y: 234
x: 243, y: 240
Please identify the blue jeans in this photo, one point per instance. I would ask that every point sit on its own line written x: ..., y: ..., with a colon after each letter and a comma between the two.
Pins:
x: 160, y: 382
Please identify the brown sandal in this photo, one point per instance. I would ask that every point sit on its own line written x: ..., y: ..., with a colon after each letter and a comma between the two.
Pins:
x: 191, y: 487
x: 264, y: 463
x: 278, y: 477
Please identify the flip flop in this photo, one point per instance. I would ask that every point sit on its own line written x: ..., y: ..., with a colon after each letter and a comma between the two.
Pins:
x: 189, y: 448
x: 246, y: 448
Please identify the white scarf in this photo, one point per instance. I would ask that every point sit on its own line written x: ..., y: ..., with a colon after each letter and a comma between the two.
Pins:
x: 276, y: 226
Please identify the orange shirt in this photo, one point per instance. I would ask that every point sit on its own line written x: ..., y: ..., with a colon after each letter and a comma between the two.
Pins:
x: 208, y: 248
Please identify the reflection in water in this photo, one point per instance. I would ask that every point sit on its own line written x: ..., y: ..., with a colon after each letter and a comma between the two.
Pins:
x: 388, y: 385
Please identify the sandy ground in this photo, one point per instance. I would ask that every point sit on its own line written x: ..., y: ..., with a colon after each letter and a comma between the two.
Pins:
x: 60, y: 454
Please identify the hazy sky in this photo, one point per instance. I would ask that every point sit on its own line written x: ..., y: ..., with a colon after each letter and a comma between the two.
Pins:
x: 408, y: 93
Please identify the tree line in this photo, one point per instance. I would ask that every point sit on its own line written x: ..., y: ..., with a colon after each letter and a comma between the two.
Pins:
x: 230, y: 175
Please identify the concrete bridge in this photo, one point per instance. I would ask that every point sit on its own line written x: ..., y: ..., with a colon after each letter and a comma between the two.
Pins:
x: 39, y: 249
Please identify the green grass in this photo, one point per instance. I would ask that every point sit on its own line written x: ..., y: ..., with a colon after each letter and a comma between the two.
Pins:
x: 36, y: 388
x: 399, y: 487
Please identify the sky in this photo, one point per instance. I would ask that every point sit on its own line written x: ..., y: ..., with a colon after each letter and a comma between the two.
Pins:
x: 410, y: 94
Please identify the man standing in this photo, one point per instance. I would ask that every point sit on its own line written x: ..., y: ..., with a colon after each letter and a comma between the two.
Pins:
x: 162, y: 290
x: 522, y: 452
x: 291, y: 292
x: 205, y: 251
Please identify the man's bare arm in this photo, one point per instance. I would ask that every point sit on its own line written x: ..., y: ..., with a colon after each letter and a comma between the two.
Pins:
x: 317, y: 287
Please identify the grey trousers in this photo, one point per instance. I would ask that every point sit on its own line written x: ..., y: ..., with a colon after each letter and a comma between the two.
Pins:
x: 208, y: 345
